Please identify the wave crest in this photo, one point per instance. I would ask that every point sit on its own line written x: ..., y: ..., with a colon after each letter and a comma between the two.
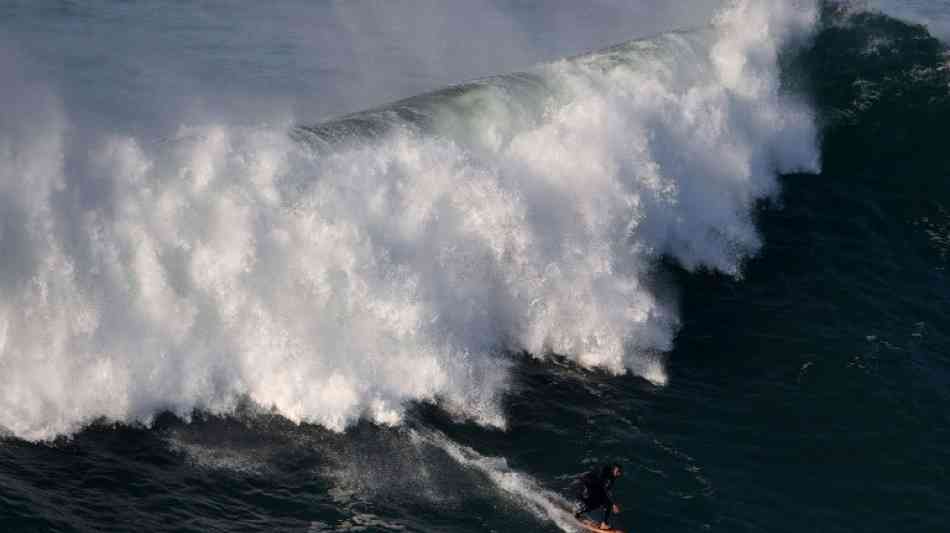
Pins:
x: 390, y: 256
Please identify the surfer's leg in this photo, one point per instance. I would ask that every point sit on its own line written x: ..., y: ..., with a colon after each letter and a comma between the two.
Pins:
x: 581, y: 508
x: 608, y: 510
x: 591, y: 503
x: 584, y: 505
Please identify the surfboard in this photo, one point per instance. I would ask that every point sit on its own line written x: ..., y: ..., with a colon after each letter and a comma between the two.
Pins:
x: 591, y: 526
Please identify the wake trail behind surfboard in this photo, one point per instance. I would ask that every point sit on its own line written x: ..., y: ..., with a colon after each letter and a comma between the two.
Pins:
x: 518, y: 486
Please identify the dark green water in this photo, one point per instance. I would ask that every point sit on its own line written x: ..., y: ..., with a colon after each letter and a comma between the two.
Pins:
x: 812, y: 394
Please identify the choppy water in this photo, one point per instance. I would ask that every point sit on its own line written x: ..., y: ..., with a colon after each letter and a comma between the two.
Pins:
x: 717, y: 255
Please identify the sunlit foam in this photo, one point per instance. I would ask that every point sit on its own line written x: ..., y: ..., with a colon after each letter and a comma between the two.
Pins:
x: 339, y: 283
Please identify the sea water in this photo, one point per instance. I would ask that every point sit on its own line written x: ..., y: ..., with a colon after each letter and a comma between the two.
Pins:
x: 382, y: 266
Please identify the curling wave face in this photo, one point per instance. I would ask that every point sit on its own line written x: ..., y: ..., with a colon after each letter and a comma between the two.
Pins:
x: 387, y: 257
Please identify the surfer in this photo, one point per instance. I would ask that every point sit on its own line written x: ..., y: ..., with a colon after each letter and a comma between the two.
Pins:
x: 596, y: 492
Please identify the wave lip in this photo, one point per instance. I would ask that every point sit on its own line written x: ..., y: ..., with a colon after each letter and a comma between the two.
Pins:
x: 343, y: 277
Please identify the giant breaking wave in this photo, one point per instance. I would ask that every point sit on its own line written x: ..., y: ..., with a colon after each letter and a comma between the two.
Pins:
x: 391, y: 256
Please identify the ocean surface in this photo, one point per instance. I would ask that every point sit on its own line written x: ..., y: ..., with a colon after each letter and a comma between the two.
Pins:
x: 386, y: 266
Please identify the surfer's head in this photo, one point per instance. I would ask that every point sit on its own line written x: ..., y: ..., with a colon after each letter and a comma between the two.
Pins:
x: 614, y: 470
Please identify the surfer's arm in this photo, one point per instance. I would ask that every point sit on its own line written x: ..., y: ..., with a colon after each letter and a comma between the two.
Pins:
x: 609, y: 495
x: 611, y: 504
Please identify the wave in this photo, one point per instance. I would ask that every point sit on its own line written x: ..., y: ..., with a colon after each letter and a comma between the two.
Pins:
x: 391, y: 256
x: 929, y: 14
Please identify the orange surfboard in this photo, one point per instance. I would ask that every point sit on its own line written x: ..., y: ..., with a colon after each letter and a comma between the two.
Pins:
x: 591, y: 526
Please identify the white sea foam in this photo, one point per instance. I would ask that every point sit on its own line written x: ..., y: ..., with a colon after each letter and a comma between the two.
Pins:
x: 517, y: 486
x: 220, y: 456
x: 231, y: 262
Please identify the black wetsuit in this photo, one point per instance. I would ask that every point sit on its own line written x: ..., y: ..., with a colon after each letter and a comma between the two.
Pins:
x: 595, y: 492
